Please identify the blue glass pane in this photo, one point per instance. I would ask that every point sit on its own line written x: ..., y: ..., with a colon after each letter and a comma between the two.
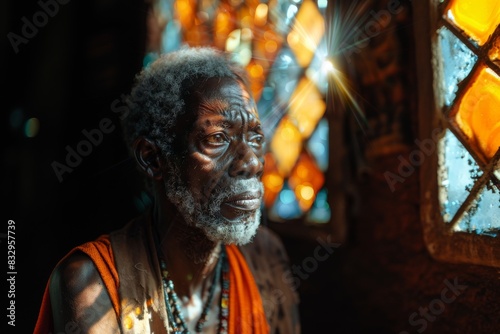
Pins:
x: 284, y: 75
x: 456, y: 175
x: 483, y: 217
x: 281, y: 82
x: 318, y: 144
x: 282, y: 14
x: 320, y: 212
x: 171, y: 36
x: 457, y: 61
x: 317, y: 72
x: 286, y: 205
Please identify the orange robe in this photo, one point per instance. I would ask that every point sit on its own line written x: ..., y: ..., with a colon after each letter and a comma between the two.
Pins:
x: 246, y: 312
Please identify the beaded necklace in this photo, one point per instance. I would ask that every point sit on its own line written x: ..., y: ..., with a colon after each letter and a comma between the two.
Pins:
x: 176, y: 319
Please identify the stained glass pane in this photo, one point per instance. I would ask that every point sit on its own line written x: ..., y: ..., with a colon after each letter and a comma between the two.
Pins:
x: 286, y: 205
x: 286, y: 145
x: 478, y: 18
x: 316, y: 71
x: 318, y: 145
x: 456, y: 175
x: 320, y: 212
x: 479, y: 112
x: 456, y: 60
x: 306, y: 107
x: 306, y: 180
x: 308, y: 29
x: 273, y: 180
x: 483, y: 217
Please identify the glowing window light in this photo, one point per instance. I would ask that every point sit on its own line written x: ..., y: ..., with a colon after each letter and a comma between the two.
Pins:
x: 307, y: 107
x: 479, y: 114
x: 478, y: 18
x: 307, y: 31
x: 286, y: 146
x: 261, y: 14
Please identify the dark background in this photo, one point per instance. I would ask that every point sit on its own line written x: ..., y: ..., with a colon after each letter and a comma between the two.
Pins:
x: 69, y: 74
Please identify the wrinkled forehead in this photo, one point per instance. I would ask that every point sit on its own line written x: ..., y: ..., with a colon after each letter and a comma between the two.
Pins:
x: 224, y: 93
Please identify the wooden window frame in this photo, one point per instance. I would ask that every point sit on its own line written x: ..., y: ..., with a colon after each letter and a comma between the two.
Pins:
x: 442, y: 243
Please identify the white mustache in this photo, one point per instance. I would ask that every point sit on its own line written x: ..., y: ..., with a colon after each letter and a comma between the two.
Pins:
x: 241, y: 186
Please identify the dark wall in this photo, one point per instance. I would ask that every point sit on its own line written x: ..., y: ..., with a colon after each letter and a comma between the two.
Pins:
x: 67, y: 73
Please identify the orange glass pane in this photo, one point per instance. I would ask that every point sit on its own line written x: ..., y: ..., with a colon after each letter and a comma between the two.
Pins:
x: 479, y: 112
x: 286, y: 145
x: 478, y: 18
x: 306, y: 106
x: 307, y: 32
x: 272, y: 179
x: 306, y: 180
x: 185, y: 11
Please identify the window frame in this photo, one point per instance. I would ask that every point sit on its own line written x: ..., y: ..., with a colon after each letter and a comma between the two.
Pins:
x: 442, y: 243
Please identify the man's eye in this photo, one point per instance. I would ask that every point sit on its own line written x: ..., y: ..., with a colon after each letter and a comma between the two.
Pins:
x: 257, y: 140
x: 216, y: 139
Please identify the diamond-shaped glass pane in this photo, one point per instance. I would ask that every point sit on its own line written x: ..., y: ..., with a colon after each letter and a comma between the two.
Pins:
x: 306, y: 180
x: 286, y: 205
x: 307, y: 31
x: 307, y: 107
x: 456, y: 175
x: 272, y: 179
x: 320, y: 212
x: 318, y: 145
x: 478, y: 113
x: 482, y: 216
x: 286, y: 145
x: 478, y: 18
x: 457, y: 61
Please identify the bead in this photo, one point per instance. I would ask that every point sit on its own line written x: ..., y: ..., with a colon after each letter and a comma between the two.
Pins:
x: 174, y: 310
x: 129, y: 322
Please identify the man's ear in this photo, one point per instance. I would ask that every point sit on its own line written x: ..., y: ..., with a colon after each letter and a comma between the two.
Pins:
x: 147, y: 155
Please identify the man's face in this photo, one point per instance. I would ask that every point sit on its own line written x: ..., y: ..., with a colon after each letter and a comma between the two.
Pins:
x: 218, y: 188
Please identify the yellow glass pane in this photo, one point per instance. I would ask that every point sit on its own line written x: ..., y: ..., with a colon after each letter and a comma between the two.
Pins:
x: 306, y: 180
x: 224, y: 23
x: 286, y: 146
x: 272, y: 179
x: 306, y: 33
x: 256, y: 69
x: 479, y: 112
x: 306, y: 107
x: 478, y: 18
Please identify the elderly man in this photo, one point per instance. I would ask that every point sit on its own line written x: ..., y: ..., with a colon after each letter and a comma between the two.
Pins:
x: 198, y: 260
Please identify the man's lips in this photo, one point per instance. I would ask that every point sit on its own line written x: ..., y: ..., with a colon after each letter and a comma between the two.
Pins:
x: 248, y: 201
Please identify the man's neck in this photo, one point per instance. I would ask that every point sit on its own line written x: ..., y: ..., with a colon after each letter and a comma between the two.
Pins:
x: 189, y: 255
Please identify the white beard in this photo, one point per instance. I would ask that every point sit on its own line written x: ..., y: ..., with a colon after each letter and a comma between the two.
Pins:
x: 208, y: 217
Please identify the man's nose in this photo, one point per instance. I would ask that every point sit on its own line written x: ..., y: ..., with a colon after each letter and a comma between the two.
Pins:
x: 247, y: 162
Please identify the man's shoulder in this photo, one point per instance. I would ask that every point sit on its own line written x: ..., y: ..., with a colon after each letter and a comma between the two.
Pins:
x: 266, y: 242
x: 266, y: 252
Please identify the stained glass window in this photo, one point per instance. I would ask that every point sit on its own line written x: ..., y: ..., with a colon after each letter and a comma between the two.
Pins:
x: 467, y: 72
x: 282, y: 45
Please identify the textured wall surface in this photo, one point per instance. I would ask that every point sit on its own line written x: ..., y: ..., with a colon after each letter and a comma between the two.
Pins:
x: 382, y: 279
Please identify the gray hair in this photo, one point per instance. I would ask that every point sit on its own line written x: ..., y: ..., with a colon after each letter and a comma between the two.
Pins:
x: 158, y: 96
